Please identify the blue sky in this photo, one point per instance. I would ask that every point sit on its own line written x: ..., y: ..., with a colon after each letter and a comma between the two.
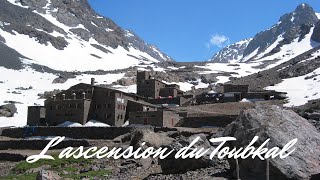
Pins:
x: 194, y: 30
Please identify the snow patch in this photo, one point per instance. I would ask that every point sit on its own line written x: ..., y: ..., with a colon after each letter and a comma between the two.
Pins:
x: 17, y: 3
x: 308, y: 88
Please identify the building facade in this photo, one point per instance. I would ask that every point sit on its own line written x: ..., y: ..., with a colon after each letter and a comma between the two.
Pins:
x: 84, y: 102
x: 36, y: 116
x: 159, y: 118
x: 152, y: 88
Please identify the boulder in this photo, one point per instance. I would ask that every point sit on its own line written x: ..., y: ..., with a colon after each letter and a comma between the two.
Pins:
x: 151, y: 139
x: 47, y: 175
x: 8, y: 110
x: 281, y: 126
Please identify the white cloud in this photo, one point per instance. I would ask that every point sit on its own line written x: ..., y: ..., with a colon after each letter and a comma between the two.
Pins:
x: 219, y: 40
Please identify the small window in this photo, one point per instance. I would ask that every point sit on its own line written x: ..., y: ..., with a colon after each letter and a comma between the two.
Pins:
x: 51, y: 108
x: 109, y: 106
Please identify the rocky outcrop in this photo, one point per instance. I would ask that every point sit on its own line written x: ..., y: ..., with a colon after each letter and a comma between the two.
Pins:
x: 281, y: 126
x: 8, y: 110
x: 151, y: 139
x: 316, y: 33
x: 47, y: 175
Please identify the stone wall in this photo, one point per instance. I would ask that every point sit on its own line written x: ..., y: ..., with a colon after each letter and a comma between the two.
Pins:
x: 71, y: 132
x: 209, y: 121
x: 34, y: 144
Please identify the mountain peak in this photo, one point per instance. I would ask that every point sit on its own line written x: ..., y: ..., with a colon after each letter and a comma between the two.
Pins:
x: 303, y: 7
x: 291, y: 26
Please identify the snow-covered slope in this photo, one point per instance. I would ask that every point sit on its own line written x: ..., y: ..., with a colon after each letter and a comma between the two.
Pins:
x: 282, y: 39
x: 231, y: 53
x: 300, y: 89
x: 71, y: 37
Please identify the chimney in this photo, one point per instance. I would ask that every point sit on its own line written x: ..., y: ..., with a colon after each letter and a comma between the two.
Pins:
x: 74, y: 96
x: 84, y: 95
x: 63, y: 96
x: 54, y: 97
x: 92, y: 81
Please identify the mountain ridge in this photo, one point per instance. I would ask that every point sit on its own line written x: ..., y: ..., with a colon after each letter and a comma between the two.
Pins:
x: 67, y: 24
x: 290, y: 25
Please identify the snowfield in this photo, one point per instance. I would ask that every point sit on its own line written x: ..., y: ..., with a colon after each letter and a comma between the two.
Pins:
x: 300, y: 89
x: 79, y: 55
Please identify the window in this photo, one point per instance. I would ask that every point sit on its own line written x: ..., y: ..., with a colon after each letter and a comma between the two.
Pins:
x: 79, y: 106
x: 51, y: 108
x: 145, y: 121
x: 109, y: 106
x: 121, y: 117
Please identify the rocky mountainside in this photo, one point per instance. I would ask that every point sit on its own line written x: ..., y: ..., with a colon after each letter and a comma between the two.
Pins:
x: 279, y: 40
x: 65, y: 35
x: 233, y: 52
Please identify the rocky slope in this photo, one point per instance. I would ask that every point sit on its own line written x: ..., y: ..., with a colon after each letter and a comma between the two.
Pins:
x: 292, y: 28
x: 68, y: 32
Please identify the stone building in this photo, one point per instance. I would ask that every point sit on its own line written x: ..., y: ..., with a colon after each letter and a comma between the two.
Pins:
x: 160, y: 118
x: 231, y: 88
x: 36, y: 116
x: 84, y: 102
x: 152, y: 88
